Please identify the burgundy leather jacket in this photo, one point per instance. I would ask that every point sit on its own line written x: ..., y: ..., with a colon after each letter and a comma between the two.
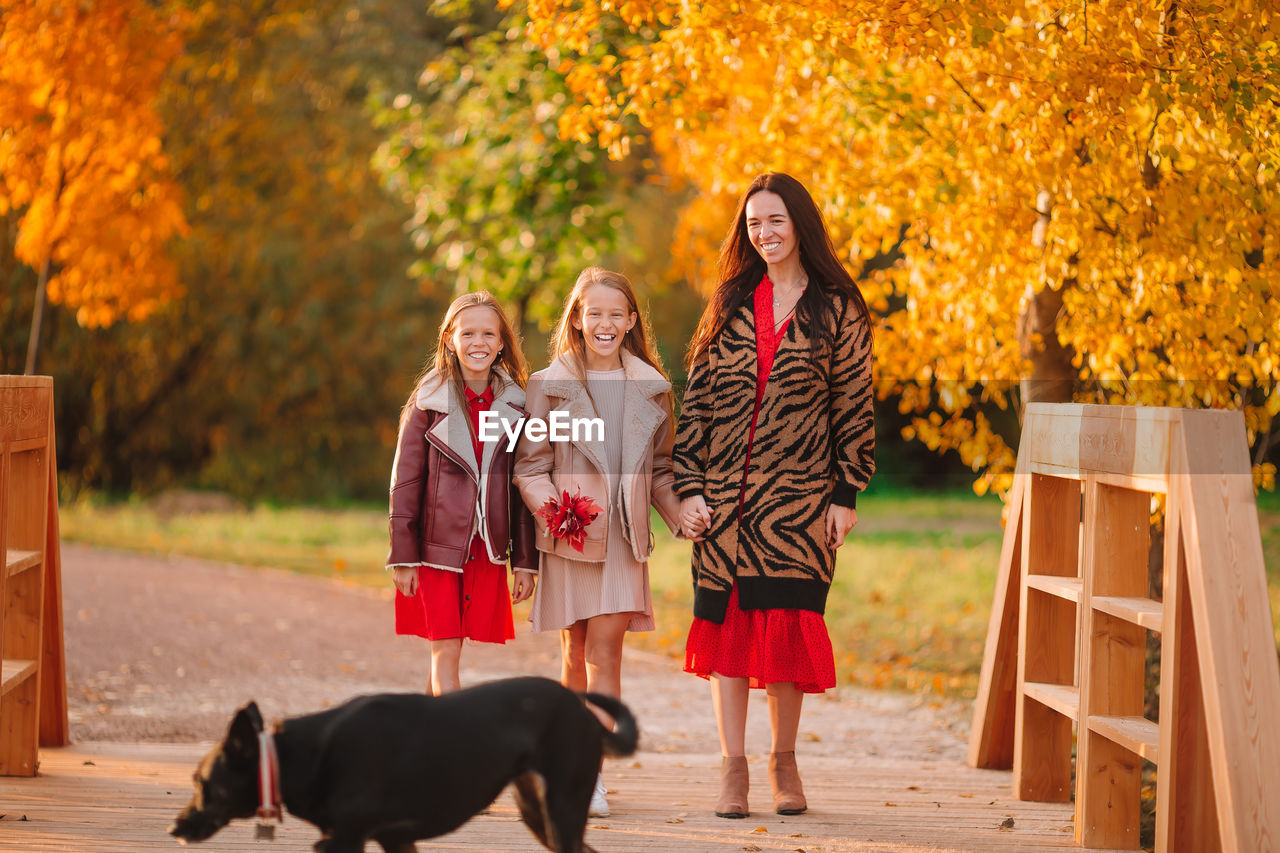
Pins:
x: 440, y: 498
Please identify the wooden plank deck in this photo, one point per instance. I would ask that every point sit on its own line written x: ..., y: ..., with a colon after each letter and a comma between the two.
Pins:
x: 121, y: 797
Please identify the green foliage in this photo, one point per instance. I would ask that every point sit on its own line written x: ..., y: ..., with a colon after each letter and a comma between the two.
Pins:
x: 500, y: 201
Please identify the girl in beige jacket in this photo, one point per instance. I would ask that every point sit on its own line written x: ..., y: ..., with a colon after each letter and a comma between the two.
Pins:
x: 603, y: 370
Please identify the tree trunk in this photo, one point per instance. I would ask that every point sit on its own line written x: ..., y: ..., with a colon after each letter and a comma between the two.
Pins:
x: 37, y: 320
x: 1052, y: 376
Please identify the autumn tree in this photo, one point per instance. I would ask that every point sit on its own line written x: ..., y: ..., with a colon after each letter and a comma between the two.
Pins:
x: 1083, y: 195
x: 81, y: 160
x: 281, y: 371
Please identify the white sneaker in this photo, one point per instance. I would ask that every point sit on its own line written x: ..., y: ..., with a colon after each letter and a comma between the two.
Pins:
x: 599, y: 805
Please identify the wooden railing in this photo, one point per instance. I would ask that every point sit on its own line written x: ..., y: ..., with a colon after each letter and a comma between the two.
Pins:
x: 1066, y: 646
x: 33, y: 697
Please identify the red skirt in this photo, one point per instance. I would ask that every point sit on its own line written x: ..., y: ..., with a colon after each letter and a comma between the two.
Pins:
x: 765, y: 646
x: 474, y: 603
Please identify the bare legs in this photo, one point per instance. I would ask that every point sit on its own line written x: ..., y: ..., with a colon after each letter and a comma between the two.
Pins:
x: 729, y: 698
x: 591, y: 659
x: 591, y: 654
x: 445, y: 658
x: 784, y: 715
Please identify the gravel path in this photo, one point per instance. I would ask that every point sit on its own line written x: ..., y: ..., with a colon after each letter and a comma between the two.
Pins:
x: 165, y: 649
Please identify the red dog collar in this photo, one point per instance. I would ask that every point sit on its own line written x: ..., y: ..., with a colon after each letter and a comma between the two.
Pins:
x: 268, y: 786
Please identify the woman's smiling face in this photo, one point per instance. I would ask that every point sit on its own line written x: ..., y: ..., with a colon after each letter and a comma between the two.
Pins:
x: 770, y: 228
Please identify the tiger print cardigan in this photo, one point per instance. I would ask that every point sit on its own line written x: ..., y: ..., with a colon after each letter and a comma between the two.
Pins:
x: 813, y: 446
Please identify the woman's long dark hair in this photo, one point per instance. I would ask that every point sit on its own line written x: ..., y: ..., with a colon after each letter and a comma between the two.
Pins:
x: 740, y: 268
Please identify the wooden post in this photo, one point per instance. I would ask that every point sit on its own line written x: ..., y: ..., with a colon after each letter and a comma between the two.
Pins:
x: 991, y: 743
x: 1109, y: 775
x: 1047, y: 641
x: 29, y: 587
x: 54, y: 728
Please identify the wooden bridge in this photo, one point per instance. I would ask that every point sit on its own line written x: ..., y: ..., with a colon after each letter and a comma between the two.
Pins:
x: 121, y: 797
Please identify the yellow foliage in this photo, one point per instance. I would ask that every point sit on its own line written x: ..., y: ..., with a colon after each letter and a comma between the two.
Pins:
x: 81, y: 151
x: 1124, y: 155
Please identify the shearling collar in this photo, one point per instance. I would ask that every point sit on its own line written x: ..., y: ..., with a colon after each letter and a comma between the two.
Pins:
x: 560, y: 380
x: 643, y: 411
x: 454, y: 433
x: 435, y: 393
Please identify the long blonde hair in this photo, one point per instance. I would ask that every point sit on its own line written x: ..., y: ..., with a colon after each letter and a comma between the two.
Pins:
x: 569, y: 341
x: 445, y: 361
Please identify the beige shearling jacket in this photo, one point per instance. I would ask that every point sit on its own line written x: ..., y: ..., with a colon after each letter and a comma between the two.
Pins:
x: 545, y: 469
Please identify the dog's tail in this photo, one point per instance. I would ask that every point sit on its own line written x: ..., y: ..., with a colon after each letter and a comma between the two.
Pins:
x: 625, y: 736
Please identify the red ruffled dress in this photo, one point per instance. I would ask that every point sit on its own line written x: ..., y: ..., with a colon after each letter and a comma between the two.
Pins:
x: 474, y: 603
x: 764, y: 646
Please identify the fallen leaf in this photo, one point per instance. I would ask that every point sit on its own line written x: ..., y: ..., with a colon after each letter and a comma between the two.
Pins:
x: 1007, y: 823
x: 967, y: 796
x: 913, y: 787
x: 88, y: 764
x: 751, y: 848
x: 674, y: 820
x: 761, y: 829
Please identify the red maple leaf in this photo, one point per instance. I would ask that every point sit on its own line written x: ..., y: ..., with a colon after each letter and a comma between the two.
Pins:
x: 568, y: 518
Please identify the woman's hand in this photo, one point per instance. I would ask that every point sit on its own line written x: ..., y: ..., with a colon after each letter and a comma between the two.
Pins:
x: 840, y: 520
x: 406, y: 580
x: 522, y: 586
x: 695, y: 517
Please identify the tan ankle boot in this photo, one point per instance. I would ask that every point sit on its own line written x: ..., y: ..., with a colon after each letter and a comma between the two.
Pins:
x: 784, y: 776
x: 733, y: 787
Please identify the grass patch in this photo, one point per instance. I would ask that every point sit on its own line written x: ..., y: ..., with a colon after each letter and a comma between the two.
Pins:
x: 908, y: 610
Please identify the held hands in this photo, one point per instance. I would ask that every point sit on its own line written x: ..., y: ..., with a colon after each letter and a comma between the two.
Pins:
x: 695, y: 517
x: 406, y: 580
x: 522, y: 586
x: 840, y: 520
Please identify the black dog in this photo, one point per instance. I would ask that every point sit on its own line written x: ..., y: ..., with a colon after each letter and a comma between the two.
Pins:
x: 399, y: 767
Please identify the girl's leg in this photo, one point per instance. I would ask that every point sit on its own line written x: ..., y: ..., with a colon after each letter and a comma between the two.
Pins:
x: 784, y: 777
x: 729, y: 698
x: 445, y: 658
x: 573, y: 664
x: 604, y: 652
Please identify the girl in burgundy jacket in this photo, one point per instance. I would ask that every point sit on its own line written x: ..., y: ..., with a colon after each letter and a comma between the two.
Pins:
x: 455, y: 516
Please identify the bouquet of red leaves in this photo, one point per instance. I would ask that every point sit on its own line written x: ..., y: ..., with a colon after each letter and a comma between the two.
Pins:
x: 568, y: 518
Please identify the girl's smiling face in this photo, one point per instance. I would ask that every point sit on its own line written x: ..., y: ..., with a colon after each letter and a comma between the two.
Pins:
x: 604, y: 320
x: 476, y: 340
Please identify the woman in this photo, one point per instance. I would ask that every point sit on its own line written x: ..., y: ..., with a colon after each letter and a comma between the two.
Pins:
x: 774, y: 442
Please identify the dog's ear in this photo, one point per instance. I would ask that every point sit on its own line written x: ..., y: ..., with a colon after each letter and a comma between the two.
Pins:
x: 241, y: 745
